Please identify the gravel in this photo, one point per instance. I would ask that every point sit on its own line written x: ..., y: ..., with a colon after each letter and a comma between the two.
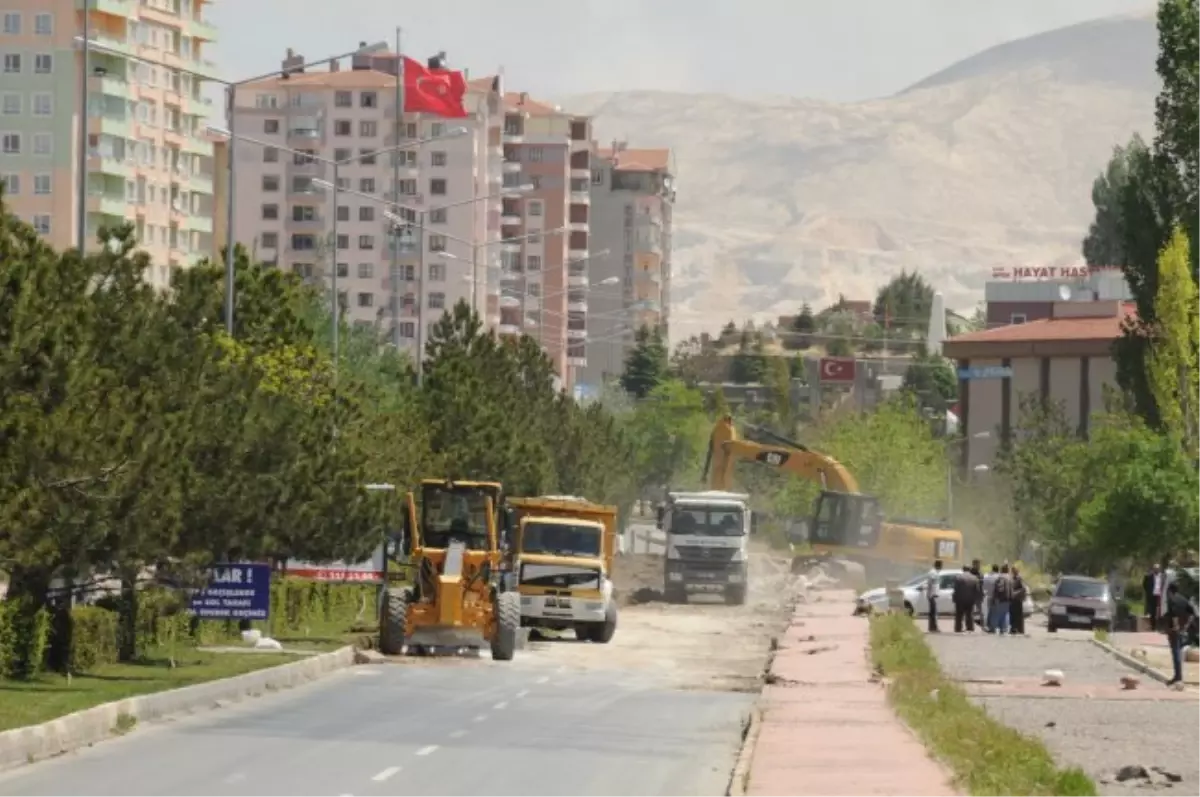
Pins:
x: 1096, y: 735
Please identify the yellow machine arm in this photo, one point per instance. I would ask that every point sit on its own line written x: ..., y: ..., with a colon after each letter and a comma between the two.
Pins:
x: 726, y: 449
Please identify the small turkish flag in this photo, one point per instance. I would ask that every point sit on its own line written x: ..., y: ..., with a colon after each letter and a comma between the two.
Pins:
x: 837, y: 369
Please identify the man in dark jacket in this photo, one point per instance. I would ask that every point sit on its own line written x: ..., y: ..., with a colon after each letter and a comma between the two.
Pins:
x: 1016, y: 608
x: 1177, y: 616
x: 967, y: 592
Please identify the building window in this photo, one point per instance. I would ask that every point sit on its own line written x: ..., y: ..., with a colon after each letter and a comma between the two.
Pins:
x: 270, y: 183
x: 11, y: 184
x: 366, y: 300
x: 1017, y: 318
x: 535, y: 155
x: 597, y: 177
x: 343, y: 213
x: 367, y: 185
x: 10, y: 143
x: 368, y: 128
x: 366, y: 157
x: 303, y: 243
x: 438, y: 158
x: 534, y: 262
x: 408, y: 187
x: 437, y: 301
x: 270, y: 155
x: 343, y: 242
x: 341, y: 154
x: 43, y: 24
x: 343, y: 99
x: 303, y: 270
x: 41, y: 223
x: 408, y: 330
x: 368, y: 99
x: 437, y: 130
x: 437, y: 243
x: 535, y: 289
x: 303, y: 157
x: 366, y: 270
x: 534, y: 206
x: 366, y: 213
x: 270, y: 240
x: 12, y: 23
x: 437, y: 186
x: 41, y: 184
x: 270, y: 212
x: 266, y: 101
x: 366, y: 242
x: 304, y: 213
x: 341, y: 127
x: 270, y: 126
x: 437, y: 216
x: 11, y: 104
x: 12, y: 63
x: 343, y: 270
x: 437, y: 272
x: 535, y: 181
x: 43, y: 64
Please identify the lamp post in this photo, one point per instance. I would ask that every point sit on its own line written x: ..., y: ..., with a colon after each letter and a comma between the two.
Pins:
x: 950, y: 470
x: 335, y: 165
x: 231, y: 87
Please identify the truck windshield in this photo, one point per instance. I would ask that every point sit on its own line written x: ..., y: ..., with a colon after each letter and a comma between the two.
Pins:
x: 709, y: 521
x: 560, y: 539
x: 449, y: 513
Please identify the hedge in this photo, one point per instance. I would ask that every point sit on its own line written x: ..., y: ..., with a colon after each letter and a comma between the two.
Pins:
x: 298, y: 606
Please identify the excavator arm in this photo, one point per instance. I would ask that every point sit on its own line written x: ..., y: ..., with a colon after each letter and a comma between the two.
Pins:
x: 726, y: 449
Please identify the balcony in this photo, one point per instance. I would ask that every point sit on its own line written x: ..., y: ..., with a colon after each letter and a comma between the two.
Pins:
x: 581, y: 197
x: 120, y: 8
x: 200, y: 29
x: 107, y: 203
x: 576, y: 333
x: 511, y: 247
x: 512, y: 167
x: 581, y: 145
x: 496, y: 151
x: 649, y: 275
x: 197, y: 222
x: 575, y: 225
x: 98, y: 164
x: 510, y: 218
x: 513, y: 135
x: 303, y: 190
x: 577, y: 279
x: 314, y: 224
x: 508, y: 329
x: 113, y: 87
x: 122, y: 45
x: 204, y: 68
x: 578, y: 306
x: 303, y: 134
x: 579, y: 174
x: 108, y: 124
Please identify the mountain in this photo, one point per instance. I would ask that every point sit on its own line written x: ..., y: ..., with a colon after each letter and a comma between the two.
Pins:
x: 986, y: 163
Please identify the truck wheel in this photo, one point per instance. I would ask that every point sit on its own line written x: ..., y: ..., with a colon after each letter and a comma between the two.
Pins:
x: 735, y: 596
x: 583, y: 632
x: 675, y: 595
x: 603, y: 632
x: 508, y: 622
x: 394, y: 628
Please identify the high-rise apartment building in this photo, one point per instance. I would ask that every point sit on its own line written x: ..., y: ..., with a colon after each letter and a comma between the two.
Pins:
x: 444, y: 182
x: 546, y: 257
x: 633, y: 197
x: 148, y: 160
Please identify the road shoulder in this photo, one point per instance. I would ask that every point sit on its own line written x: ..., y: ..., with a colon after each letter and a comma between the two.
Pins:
x: 821, y: 709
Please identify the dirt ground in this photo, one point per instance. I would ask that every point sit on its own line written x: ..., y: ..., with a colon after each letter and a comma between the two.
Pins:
x: 701, y: 645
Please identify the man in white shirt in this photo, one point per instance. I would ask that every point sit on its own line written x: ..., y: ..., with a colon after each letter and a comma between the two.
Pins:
x: 1154, y: 585
x: 931, y: 592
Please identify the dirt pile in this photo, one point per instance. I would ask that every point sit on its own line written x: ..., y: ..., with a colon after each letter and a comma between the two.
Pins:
x: 638, y: 578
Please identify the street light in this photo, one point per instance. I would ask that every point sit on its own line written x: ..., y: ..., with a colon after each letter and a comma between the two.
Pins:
x: 231, y: 88
x: 336, y: 165
x: 950, y: 470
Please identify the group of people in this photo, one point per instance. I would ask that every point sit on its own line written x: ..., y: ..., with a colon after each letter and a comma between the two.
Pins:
x: 996, y: 601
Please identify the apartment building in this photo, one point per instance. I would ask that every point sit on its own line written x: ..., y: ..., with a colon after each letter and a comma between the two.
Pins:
x: 148, y: 160
x: 545, y: 254
x: 633, y: 197
x: 398, y: 279
x: 1018, y: 296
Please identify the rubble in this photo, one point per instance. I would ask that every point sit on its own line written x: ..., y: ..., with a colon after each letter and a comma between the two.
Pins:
x: 1129, y: 682
x: 1053, y: 678
x: 1139, y: 775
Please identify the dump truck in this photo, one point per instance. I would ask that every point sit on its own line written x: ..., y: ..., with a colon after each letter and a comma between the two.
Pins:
x: 457, y: 599
x: 563, y: 548
x: 707, y: 544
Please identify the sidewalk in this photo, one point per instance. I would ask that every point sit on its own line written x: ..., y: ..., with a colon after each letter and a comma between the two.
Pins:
x: 826, y: 728
x: 1150, y: 648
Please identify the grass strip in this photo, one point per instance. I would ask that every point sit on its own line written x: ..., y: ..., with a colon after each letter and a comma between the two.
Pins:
x: 985, y: 756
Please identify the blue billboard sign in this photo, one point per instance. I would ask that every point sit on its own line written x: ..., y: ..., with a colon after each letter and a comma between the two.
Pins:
x: 234, y: 592
x: 985, y: 372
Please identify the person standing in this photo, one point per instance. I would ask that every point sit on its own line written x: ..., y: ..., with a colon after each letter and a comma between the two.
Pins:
x: 1000, y: 597
x: 1016, y: 608
x: 1177, y: 616
x: 931, y: 594
x: 966, y: 599
x: 1152, y: 588
x: 986, y: 602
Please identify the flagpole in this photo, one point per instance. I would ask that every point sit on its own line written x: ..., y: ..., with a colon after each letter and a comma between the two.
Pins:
x: 396, y: 155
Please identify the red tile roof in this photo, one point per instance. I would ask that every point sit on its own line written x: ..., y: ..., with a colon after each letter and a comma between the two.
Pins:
x: 638, y: 160
x: 1053, y: 329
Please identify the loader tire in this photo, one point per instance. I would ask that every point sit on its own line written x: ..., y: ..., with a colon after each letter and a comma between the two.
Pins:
x: 602, y: 633
x: 508, y: 625
x: 393, y: 629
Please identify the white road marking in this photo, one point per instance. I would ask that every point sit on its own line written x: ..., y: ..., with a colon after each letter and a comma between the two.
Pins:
x: 480, y: 717
x: 543, y: 679
x: 235, y: 777
x: 385, y: 774
x: 365, y: 672
x: 522, y: 693
x: 500, y: 705
x: 427, y: 750
x: 457, y: 734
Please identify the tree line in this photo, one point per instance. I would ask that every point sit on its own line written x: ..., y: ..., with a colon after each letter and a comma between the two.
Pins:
x: 141, y: 441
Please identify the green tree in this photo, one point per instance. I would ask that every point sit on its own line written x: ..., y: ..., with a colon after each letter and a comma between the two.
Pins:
x: 904, y: 302
x: 669, y: 433
x: 805, y: 322
x: 1172, y: 361
x: 931, y: 379
x: 1177, y: 139
x: 647, y: 364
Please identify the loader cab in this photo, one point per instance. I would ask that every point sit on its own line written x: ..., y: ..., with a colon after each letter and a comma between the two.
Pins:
x: 848, y: 520
x: 457, y: 512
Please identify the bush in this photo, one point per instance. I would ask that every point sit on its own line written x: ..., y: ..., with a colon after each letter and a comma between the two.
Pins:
x: 94, y: 638
x: 24, y: 636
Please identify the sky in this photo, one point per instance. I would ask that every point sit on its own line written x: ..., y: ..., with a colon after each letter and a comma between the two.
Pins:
x: 836, y: 50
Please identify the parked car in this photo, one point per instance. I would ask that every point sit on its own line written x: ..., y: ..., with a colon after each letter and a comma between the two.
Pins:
x: 1081, y: 602
x: 915, y: 599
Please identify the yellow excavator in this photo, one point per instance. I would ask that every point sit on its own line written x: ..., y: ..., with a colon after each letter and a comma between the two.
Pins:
x: 458, y: 597
x: 846, y: 524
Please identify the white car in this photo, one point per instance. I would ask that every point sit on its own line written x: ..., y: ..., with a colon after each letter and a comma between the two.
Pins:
x: 915, y: 599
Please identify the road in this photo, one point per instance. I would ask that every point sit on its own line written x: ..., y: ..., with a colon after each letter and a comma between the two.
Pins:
x: 426, y: 727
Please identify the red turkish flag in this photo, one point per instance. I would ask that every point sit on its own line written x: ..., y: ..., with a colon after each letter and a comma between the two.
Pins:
x: 837, y: 369
x: 436, y: 91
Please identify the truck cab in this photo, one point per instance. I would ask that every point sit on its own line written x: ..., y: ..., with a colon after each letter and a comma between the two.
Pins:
x: 563, y: 556
x: 707, y: 545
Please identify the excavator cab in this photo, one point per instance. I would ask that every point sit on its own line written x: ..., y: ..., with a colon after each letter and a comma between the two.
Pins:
x: 845, y: 520
x: 454, y: 600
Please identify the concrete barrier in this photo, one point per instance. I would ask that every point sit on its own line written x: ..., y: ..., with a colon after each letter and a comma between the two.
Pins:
x: 84, y: 728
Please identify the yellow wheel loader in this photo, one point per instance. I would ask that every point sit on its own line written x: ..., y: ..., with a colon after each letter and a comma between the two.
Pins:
x: 457, y: 598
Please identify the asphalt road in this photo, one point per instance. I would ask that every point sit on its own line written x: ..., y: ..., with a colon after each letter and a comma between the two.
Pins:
x: 451, y: 728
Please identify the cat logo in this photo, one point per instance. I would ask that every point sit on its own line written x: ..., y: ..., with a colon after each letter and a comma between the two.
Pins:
x: 773, y: 458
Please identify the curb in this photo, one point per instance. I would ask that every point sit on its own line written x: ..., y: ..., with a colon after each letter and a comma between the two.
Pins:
x: 84, y: 728
x: 739, y: 780
x: 1130, y: 661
